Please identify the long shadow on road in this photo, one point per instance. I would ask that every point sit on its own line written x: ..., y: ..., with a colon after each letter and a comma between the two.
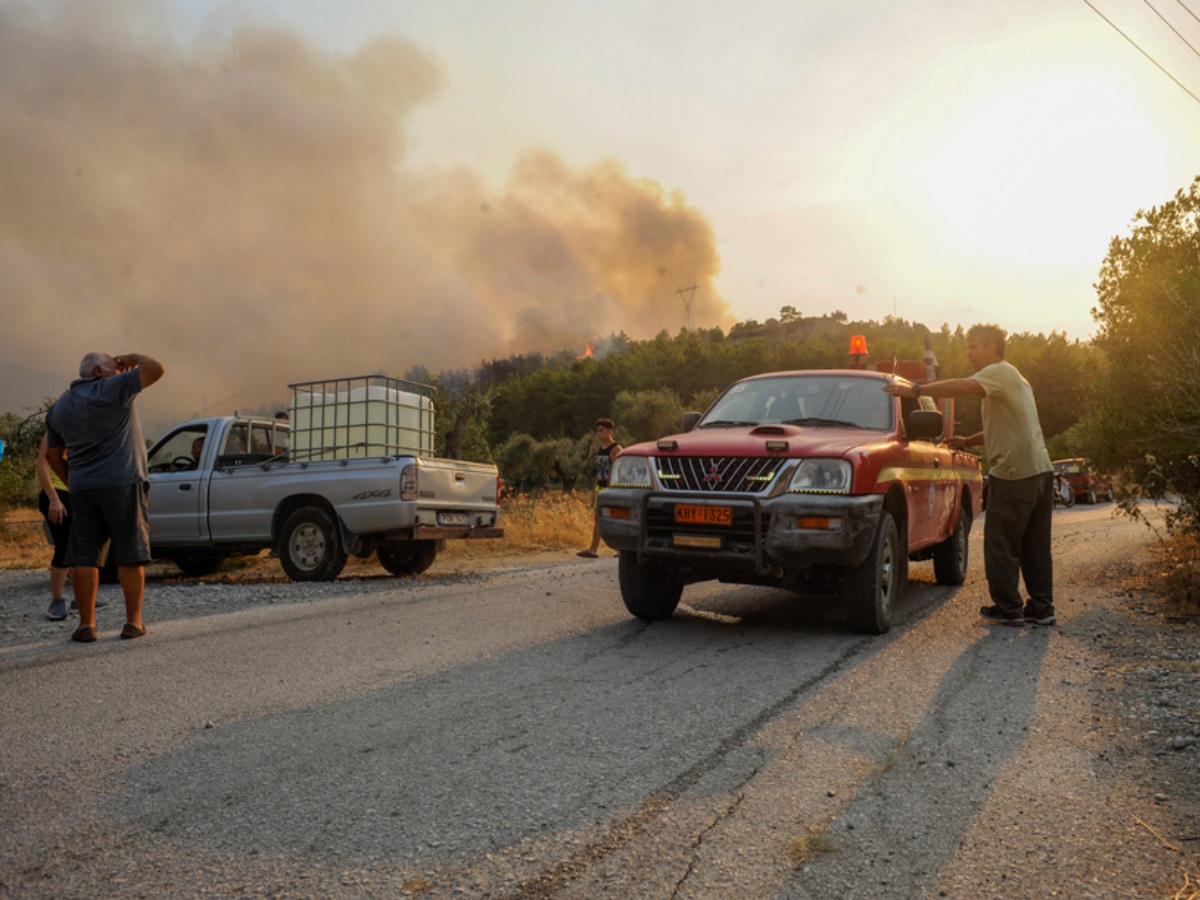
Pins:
x: 471, y: 760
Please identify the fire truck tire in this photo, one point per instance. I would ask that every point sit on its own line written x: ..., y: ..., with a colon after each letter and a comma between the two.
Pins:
x: 310, y: 545
x: 649, y: 592
x: 870, y: 591
x: 950, y: 557
x: 407, y: 557
x: 1091, y: 496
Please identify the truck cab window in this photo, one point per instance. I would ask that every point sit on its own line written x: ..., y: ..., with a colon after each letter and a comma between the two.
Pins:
x: 179, y: 451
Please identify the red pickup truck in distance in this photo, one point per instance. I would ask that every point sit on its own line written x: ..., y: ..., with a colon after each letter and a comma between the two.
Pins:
x: 1088, y: 484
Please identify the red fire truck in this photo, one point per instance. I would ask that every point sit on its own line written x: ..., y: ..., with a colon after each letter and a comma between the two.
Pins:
x: 815, y: 481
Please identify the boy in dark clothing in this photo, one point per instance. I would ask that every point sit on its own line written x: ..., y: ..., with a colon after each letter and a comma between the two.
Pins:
x: 604, y: 457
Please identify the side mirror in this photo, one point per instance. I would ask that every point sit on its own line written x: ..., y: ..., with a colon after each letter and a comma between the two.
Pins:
x: 689, y: 421
x: 925, y: 425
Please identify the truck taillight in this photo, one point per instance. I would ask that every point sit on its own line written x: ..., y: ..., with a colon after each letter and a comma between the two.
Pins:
x: 499, y: 489
x: 408, y: 482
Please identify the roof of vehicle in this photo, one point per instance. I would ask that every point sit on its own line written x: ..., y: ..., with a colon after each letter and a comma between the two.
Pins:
x: 865, y: 373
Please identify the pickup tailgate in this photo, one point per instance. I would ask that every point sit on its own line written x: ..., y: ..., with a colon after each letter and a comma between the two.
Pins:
x: 453, y: 495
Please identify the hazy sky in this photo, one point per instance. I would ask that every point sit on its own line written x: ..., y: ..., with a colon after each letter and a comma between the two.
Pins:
x: 268, y: 191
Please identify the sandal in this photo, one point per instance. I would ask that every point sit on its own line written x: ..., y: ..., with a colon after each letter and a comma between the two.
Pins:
x: 84, y: 635
x: 587, y: 554
x: 132, y: 631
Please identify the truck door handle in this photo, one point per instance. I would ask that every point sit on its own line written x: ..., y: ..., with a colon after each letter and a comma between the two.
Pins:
x: 459, y: 476
x: 185, y: 487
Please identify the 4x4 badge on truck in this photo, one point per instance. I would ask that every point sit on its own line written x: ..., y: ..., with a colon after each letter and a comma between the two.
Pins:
x: 713, y: 478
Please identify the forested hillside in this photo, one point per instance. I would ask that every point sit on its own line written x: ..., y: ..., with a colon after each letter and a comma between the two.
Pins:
x: 533, y: 415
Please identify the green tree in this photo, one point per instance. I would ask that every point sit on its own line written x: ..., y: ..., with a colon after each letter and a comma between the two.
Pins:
x: 22, y: 437
x: 646, y: 415
x: 1147, y: 425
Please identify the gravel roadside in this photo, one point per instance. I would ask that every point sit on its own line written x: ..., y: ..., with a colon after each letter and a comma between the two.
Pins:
x: 25, y: 594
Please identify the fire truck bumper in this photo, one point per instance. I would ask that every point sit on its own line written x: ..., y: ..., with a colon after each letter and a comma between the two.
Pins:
x: 720, y: 530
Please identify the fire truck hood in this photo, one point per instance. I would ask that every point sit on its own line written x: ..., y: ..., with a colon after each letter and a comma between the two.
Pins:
x: 753, y: 442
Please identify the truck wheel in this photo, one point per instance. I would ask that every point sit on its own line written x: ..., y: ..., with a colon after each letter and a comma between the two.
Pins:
x: 950, y: 556
x: 310, y: 546
x: 407, y: 557
x: 198, y: 566
x: 870, y: 590
x: 1091, y: 496
x: 649, y: 591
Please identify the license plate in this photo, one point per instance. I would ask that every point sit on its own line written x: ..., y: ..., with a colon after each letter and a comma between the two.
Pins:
x: 703, y: 515
x: 454, y: 518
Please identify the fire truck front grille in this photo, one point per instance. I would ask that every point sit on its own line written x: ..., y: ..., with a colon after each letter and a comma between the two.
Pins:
x: 750, y: 475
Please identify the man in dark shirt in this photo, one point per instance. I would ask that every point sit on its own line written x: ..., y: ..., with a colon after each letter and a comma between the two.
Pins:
x: 95, y: 426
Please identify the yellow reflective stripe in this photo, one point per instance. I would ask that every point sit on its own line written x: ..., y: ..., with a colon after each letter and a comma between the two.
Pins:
x: 910, y: 473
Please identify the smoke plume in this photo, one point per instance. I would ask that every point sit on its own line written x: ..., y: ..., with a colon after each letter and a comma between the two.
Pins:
x: 238, y: 204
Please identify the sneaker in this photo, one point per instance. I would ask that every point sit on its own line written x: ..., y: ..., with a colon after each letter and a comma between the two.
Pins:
x: 996, y: 616
x: 57, y: 611
x: 1047, y: 619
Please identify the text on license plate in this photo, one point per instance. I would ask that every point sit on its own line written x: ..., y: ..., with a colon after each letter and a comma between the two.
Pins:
x: 703, y: 515
x: 454, y: 518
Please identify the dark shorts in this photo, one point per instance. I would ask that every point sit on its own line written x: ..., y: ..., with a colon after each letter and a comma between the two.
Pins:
x: 116, y: 518
x: 60, y: 534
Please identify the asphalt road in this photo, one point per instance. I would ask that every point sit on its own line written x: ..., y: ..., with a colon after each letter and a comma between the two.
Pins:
x: 518, y: 735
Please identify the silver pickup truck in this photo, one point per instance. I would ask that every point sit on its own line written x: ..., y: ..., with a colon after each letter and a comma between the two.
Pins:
x: 228, y: 486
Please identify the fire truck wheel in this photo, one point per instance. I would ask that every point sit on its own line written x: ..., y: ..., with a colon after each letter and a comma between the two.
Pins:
x: 310, y: 545
x: 407, y: 557
x: 870, y: 590
x: 649, y: 592
x: 950, y: 557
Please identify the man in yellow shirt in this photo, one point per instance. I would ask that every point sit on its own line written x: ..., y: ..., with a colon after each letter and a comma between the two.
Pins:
x: 1020, y: 480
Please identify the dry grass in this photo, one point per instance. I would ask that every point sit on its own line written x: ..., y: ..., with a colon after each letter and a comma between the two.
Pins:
x: 1181, y: 580
x: 533, y: 523
x: 23, y: 543
x: 1190, y: 889
x: 813, y: 843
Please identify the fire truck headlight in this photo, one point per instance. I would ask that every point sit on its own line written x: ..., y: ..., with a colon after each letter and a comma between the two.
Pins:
x: 630, y: 471
x: 822, y: 476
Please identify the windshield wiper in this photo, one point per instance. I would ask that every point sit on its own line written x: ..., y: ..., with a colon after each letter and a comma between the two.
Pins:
x: 828, y: 423
x: 725, y: 423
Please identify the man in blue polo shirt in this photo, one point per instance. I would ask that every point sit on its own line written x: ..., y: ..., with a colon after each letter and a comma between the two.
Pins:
x: 95, y: 423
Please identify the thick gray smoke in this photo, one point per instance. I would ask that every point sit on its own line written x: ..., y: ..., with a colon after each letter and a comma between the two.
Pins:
x: 239, y: 205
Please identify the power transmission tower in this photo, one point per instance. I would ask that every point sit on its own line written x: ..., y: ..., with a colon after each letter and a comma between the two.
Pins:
x: 687, y: 294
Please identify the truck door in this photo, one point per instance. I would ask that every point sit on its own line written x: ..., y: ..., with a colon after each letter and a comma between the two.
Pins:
x: 178, y: 474
x: 922, y: 491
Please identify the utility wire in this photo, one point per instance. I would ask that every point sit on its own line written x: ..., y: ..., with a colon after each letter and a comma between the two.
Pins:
x: 1141, y: 51
x: 1172, y: 27
x: 1189, y: 12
